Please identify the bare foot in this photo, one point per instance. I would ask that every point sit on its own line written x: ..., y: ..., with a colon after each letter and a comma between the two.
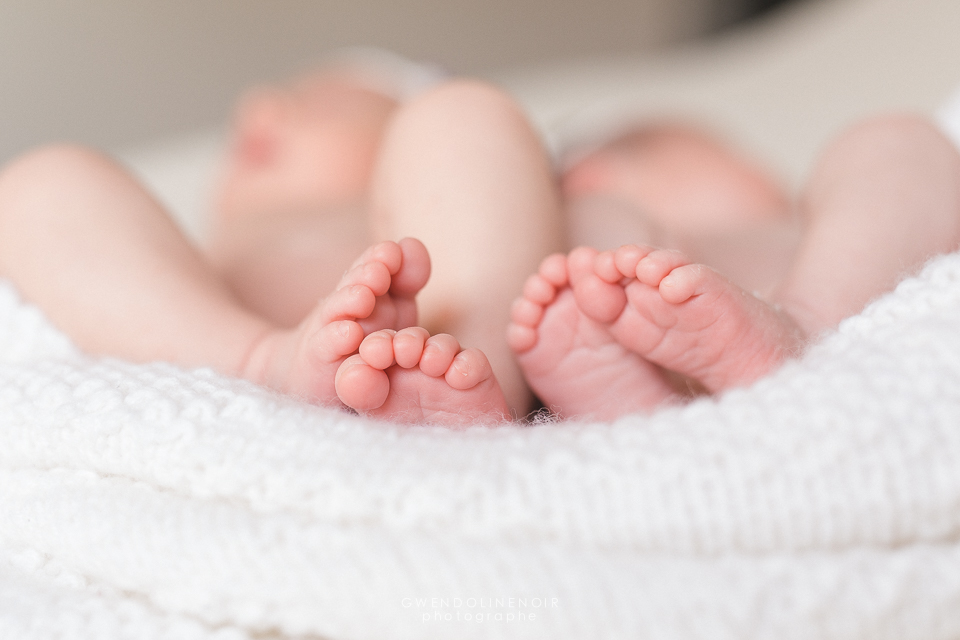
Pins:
x: 573, y: 363
x: 410, y: 376
x: 377, y: 293
x: 683, y: 317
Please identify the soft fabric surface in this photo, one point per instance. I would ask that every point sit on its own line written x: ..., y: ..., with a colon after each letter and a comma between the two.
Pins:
x: 823, y: 502
x: 152, y: 502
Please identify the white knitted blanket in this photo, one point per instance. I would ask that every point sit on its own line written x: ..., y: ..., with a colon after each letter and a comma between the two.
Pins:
x: 823, y: 502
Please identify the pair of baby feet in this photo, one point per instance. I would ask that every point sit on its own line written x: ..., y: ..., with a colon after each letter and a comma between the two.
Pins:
x: 596, y: 334
x: 603, y: 334
x: 361, y: 348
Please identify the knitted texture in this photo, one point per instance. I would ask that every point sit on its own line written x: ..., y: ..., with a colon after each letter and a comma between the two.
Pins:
x: 822, y: 502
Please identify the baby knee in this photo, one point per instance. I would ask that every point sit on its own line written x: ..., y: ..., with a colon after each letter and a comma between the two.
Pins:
x: 44, y: 166
x: 465, y: 94
x: 905, y: 145
x: 898, y: 133
x: 472, y: 104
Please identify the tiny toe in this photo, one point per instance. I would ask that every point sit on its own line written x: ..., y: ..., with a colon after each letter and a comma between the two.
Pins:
x: 386, y: 252
x: 655, y: 266
x: 521, y: 338
x: 553, y: 269
x: 580, y: 263
x: 597, y: 299
x: 469, y: 368
x: 605, y: 267
x: 408, y: 346
x: 377, y: 349
x: 682, y: 283
x: 348, y: 303
x: 526, y: 313
x: 438, y: 354
x: 627, y: 257
x: 373, y: 274
x: 539, y: 289
x: 412, y: 273
x: 360, y: 386
x: 335, y: 340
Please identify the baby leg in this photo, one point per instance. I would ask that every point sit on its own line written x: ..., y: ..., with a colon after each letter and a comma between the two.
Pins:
x: 82, y: 240
x: 462, y: 170
x: 88, y: 245
x: 884, y: 199
x: 410, y: 376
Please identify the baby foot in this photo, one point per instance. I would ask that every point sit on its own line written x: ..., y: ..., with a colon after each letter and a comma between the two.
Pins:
x: 376, y: 293
x: 682, y: 316
x: 573, y: 363
x: 410, y: 376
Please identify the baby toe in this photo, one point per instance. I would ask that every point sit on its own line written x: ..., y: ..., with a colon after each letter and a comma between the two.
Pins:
x: 408, y: 346
x: 627, y: 257
x: 605, y: 267
x: 526, y: 313
x: 350, y: 302
x: 377, y: 349
x: 682, y: 283
x: 335, y: 340
x: 580, y: 264
x: 413, y: 271
x: 360, y: 386
x: 387, y: 253
x: 438, y: 354
x: 537, y: 289
x: 599, y: 300
x: 553, y: 269
x: 469, y: 368
x: 657, y: 264
x: 521, y: 338
x: 373, y: 274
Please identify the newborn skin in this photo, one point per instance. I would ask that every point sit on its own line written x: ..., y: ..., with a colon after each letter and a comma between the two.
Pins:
x: 606, y: 333
x: 378, y: 292
x: 411, y: 376
x: 596, y: 332
x: 573, y: 362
